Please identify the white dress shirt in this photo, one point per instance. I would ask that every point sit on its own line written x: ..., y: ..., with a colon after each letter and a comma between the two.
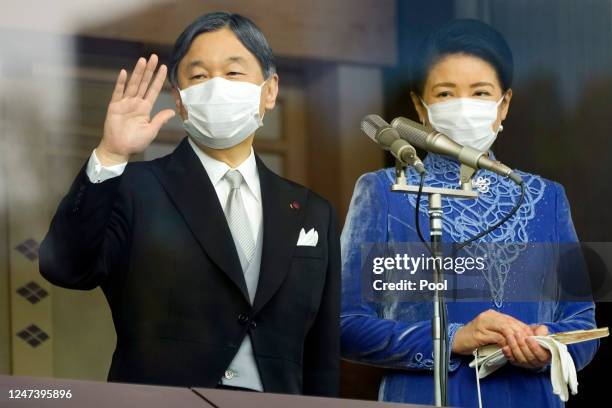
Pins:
x: 98, y: 173
x: 251, y: 192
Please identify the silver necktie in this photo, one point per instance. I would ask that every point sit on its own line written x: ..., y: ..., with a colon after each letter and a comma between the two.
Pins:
x: 237, y: 218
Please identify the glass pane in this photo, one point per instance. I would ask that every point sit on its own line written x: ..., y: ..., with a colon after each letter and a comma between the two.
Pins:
x: 275, y: 162
x: 272, y: 124
x: 157, y: 149
x: 165, y: 100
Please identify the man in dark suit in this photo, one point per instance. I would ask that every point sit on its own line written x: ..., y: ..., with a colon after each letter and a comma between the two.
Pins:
x: 218, y: 272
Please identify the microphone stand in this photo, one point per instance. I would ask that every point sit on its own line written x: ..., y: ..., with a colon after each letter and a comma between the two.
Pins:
x: 439, y: 325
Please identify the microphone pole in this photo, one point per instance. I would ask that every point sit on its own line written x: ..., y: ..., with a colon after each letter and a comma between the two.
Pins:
x: 390, y: 139
x: 439, y: 326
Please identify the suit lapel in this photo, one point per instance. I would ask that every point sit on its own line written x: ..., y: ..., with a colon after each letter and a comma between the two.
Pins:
x: 281, y: 226
x: 189, y: 187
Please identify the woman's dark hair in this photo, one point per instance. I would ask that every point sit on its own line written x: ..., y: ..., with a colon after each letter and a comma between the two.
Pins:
x: 464, y: 36
x: 247, y: 32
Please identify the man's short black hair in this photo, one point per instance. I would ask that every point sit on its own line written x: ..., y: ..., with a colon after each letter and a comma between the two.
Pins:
x: 245, y: 30
x: 464, y: 36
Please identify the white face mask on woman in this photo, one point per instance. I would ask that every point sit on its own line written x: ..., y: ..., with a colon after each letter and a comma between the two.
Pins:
x: 468, y: 121
x: 222, y: 113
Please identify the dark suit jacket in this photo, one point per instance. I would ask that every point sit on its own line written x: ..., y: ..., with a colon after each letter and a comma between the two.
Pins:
x: 157, y: 242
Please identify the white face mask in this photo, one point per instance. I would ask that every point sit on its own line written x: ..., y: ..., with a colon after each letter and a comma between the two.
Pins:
x: 222, y: 113
x: 467, y: 121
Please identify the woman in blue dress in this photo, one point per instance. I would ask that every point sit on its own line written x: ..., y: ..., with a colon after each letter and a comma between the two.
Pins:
x: 462, y: 88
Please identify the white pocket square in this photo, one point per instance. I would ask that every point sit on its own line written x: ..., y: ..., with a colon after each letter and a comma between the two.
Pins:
x: 309, y: 238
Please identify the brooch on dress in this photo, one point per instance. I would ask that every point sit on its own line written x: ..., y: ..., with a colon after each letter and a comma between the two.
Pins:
x: 481, y: 184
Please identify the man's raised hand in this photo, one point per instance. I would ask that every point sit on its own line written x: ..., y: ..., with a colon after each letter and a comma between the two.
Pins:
x: 129, y: 128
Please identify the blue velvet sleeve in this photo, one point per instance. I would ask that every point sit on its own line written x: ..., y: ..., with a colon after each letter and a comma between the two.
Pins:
x: 572, y: 315
x: 367, y: 336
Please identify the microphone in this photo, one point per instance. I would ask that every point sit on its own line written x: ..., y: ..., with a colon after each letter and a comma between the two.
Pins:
x: 435, y: 142
x: 377, y: 129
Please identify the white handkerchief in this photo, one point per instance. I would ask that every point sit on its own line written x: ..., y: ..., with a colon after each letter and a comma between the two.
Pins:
x: 562, y: 368
x: 309, y: 238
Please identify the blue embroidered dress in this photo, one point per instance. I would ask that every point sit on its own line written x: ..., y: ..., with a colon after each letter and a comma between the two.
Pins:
x: 397, y: 335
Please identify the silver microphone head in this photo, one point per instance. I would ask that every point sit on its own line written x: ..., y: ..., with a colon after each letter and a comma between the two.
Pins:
x: 379, y: 131
x: 429, y: 139
x: 389, y: 139
x: 412, y: 131
x: 371, y: 124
